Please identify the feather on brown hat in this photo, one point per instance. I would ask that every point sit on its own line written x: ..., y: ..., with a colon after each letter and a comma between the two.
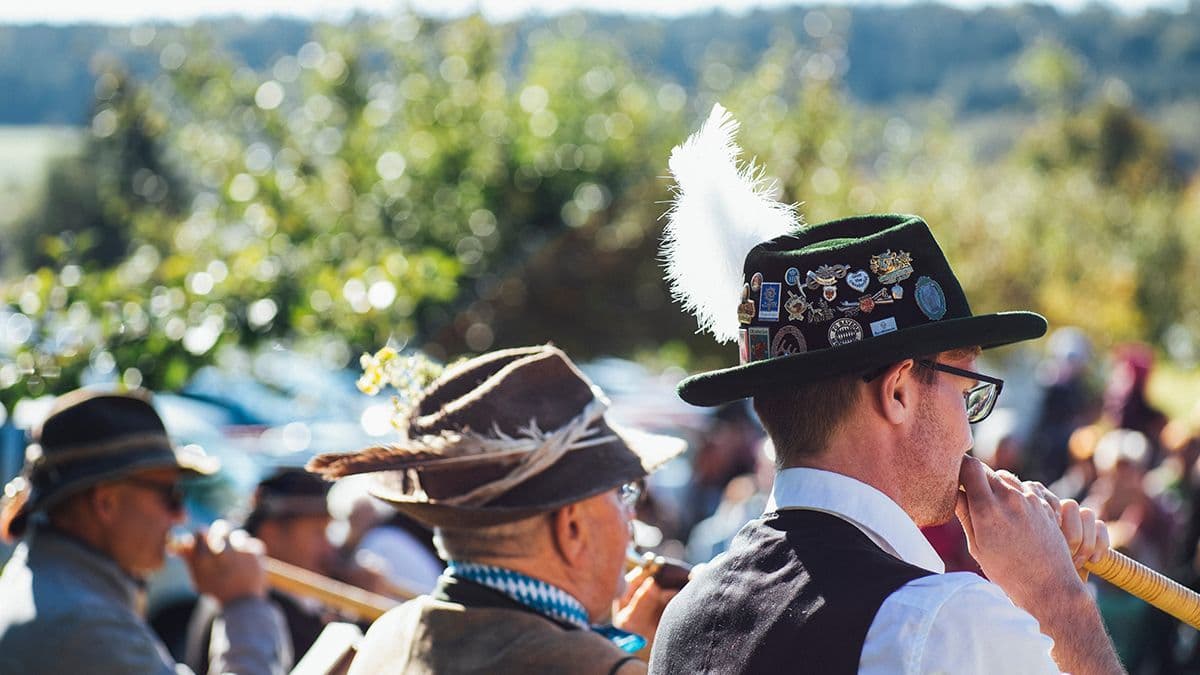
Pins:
x: 501, y: 437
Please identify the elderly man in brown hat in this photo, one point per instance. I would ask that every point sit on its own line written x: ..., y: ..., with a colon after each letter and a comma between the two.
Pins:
x: 96, y: 502
x: 531, y: 492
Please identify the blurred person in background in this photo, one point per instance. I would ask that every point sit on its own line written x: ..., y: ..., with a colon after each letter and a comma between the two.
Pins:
x: 378, y: 538
x: 290, y: 516
x: 1067, y: 403
x: 532, y: 494
x: 743, y: 500
x: 1137, y: 521
x: 1142, y: 527
x: 96, y: 503
x: 730, y: 447
x: 1126, y: 405
x: 1077, y: 481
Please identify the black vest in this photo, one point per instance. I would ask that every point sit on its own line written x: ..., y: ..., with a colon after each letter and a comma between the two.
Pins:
x: 796, y: 592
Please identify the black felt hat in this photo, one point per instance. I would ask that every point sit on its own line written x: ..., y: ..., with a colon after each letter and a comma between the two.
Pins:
x: 89, y: 437
x: 289, y: 492
x: 502, y: 437
x: 846, y: 297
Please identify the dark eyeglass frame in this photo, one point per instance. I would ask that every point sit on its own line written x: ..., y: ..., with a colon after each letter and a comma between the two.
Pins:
x: 988, y: 385
x: 987, y: 382
x: 171, y: 494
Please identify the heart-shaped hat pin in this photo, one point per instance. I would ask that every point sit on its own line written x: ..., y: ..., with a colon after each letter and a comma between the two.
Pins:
x: 858, y: 280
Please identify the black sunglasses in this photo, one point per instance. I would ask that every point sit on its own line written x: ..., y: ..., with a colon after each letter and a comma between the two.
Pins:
x: 171, y: 494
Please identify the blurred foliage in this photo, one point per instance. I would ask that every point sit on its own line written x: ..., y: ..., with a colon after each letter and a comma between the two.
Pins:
x: 455, y: 187
x: 892, y: 54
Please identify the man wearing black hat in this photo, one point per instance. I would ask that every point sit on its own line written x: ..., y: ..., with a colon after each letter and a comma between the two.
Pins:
x: 290, y: 516
x: 858, y: 348
x: 96, y: 502
x: 509, y: 456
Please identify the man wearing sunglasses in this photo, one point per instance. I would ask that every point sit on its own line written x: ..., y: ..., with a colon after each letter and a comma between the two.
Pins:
x: 867, y: 386
x: 95, y: 504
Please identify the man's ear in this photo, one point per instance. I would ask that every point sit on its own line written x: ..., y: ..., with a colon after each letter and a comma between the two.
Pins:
x: 105, y: 502
x: 895, y: 392
x: 567, y: 528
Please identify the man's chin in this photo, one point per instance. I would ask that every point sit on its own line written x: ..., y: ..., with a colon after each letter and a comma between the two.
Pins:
x: 146, y: 569
x: 941, y: 515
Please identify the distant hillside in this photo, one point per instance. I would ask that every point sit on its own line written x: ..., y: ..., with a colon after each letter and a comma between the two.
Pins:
x: 892, y: 55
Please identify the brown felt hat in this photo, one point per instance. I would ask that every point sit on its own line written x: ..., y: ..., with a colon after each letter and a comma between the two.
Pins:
x: 89, y: 437
x: 502, y: 437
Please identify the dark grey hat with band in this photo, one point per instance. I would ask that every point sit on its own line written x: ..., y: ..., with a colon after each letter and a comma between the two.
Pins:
x: 90, y: 437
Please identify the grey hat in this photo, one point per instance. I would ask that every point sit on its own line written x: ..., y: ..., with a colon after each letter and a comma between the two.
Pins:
x: 89, y: 437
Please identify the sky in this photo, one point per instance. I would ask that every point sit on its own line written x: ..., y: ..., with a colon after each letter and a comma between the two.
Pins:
x: 134, y: 11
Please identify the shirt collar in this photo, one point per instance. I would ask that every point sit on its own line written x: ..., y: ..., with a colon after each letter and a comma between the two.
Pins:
x: 863, y: 506
x: 542, y: 597
x: 536, y: 594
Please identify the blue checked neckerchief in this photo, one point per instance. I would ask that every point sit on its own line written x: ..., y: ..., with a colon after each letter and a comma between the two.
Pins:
x: 545, y: 599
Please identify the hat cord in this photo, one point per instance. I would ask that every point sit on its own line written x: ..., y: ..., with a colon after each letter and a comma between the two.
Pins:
x: 42, y: 460
x: 545, y: 449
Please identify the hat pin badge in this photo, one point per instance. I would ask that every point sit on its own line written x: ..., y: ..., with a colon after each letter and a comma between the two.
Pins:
x: 796, y: 305
x: 825, y: 277
x: 892, y: 267
x: 858, y: 280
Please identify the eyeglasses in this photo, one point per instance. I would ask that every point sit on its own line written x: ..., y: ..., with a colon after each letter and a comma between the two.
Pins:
x: 980, y: 399
x: 171, y: 494
x: 630, y: 494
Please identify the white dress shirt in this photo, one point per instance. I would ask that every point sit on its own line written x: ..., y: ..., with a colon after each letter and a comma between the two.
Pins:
x: 941, y: 623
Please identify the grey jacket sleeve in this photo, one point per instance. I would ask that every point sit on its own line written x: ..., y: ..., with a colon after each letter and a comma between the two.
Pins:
x: 250, y: 637
x: 104, y: 643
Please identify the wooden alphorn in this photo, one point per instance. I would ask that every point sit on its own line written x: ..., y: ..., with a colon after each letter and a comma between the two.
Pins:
x: 335, y: 594
x: 346, y: 598
x: 1142, y: 582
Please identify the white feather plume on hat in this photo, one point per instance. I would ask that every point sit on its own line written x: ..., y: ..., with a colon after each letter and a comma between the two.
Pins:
x: 722, y: 209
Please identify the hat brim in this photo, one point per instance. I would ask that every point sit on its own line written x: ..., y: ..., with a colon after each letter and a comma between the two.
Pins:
x: 191, y: 461
x: 610, y: 467
x: 749, y: 379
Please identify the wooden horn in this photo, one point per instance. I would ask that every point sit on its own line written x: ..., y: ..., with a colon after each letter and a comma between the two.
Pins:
x: 1140, y: 581
x: 335, y: 594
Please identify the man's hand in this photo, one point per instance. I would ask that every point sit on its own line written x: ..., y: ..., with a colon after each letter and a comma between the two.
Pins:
x: 1015, y: 534
x: 225, y: 563
x: 1087, y: 536
x: 641, y: 607
x: 1032, y: 545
